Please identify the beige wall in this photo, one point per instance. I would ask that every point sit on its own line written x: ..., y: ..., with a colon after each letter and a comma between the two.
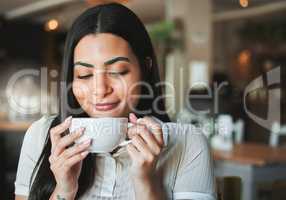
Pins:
x: 196, y: 16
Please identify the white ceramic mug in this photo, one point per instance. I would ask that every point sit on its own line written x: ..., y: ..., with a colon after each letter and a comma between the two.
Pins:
x: 106, y: 133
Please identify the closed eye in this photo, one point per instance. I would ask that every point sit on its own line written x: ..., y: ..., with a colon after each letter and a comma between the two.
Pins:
x: 115, y: 73
x: 84, y: 76
x: 111, y: 73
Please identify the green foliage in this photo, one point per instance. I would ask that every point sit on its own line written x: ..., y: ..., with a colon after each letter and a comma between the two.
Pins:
x: 161, y: 31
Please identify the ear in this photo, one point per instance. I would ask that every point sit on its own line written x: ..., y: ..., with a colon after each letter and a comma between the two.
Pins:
x: 149, y: 62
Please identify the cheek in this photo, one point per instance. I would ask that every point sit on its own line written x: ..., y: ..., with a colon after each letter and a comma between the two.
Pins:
x: 134, y: 95
x: 80, y: 90
x: 132, y: 90
x: 127, y: 86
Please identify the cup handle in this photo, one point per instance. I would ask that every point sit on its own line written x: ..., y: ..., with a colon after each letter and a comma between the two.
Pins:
x: 129, y: 125
x: 125, y: 142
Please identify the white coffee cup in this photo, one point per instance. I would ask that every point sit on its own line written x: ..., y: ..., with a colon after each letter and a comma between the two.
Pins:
x: 106, y: 133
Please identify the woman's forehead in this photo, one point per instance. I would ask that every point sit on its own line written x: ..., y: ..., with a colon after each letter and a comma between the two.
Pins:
x: 97, y: 49
x: 101, y: 44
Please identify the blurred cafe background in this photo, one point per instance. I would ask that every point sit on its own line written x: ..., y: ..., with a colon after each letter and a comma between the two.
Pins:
x: 223, y: 62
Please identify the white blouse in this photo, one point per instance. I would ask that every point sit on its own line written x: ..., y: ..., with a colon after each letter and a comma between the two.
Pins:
x: 185, y: 165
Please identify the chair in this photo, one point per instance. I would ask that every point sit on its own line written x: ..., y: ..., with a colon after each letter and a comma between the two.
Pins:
x: 229, y: 188
x: 272, y: 191
x: 276, y: 132
x: 279, y: 190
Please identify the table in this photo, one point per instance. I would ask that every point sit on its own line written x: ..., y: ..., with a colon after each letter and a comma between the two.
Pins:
x: 7, y: 126
x: 254, y: 163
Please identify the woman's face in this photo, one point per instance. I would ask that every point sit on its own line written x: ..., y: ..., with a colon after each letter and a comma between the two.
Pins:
x: 106, y: 76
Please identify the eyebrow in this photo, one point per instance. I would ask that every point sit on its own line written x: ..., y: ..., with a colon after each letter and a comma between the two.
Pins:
x: 109, y: 62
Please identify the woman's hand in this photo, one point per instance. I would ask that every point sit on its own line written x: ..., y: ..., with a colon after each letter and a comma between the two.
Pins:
x: 146, y: 146
x: 66, y: 161
x: 147, y: 143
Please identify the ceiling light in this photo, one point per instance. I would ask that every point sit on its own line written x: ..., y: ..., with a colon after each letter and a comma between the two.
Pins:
x: 244, y: 57
x: 95, y: 2
x: 244, y: 3
x: 51, y: 25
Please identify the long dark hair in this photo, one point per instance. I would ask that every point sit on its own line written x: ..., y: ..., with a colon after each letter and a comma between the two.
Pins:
x: 107, y: 18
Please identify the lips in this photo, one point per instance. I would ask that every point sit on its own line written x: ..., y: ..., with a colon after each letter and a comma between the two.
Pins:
x: 106, y: 106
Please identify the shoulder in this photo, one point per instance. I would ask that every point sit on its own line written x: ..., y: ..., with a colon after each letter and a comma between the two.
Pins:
x: 45, y: 120
x: 32, y: 146
x: 41, y: 125
x: 184, y: 137
x: 193, y: 162
x: 37, y: 132
x: 189, y: 137
x: 187, y: 146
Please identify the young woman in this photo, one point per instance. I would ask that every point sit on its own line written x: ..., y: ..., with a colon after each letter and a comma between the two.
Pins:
x: 111, y: 68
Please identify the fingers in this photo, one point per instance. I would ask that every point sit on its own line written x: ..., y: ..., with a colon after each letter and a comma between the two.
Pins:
x: 76, y: 149
x: 66, y: 141
x: 71, y: 155
x: 55, y: 132
x: 147, y: 137
x: 151, y: 142
x: 62, y: 164
x: 142, y: 147
x: 151, y: 125
x: 133, y: 152
x: 154, y: 127
x: 63, y: 126
x: 75, y: 159
x: 134, y: 130
x: 72, y: 151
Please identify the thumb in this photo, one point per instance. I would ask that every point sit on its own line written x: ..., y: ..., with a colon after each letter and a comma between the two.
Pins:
x: 132, y: 118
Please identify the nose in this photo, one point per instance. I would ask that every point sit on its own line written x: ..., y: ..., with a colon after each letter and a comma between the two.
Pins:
x: 101, y: 85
